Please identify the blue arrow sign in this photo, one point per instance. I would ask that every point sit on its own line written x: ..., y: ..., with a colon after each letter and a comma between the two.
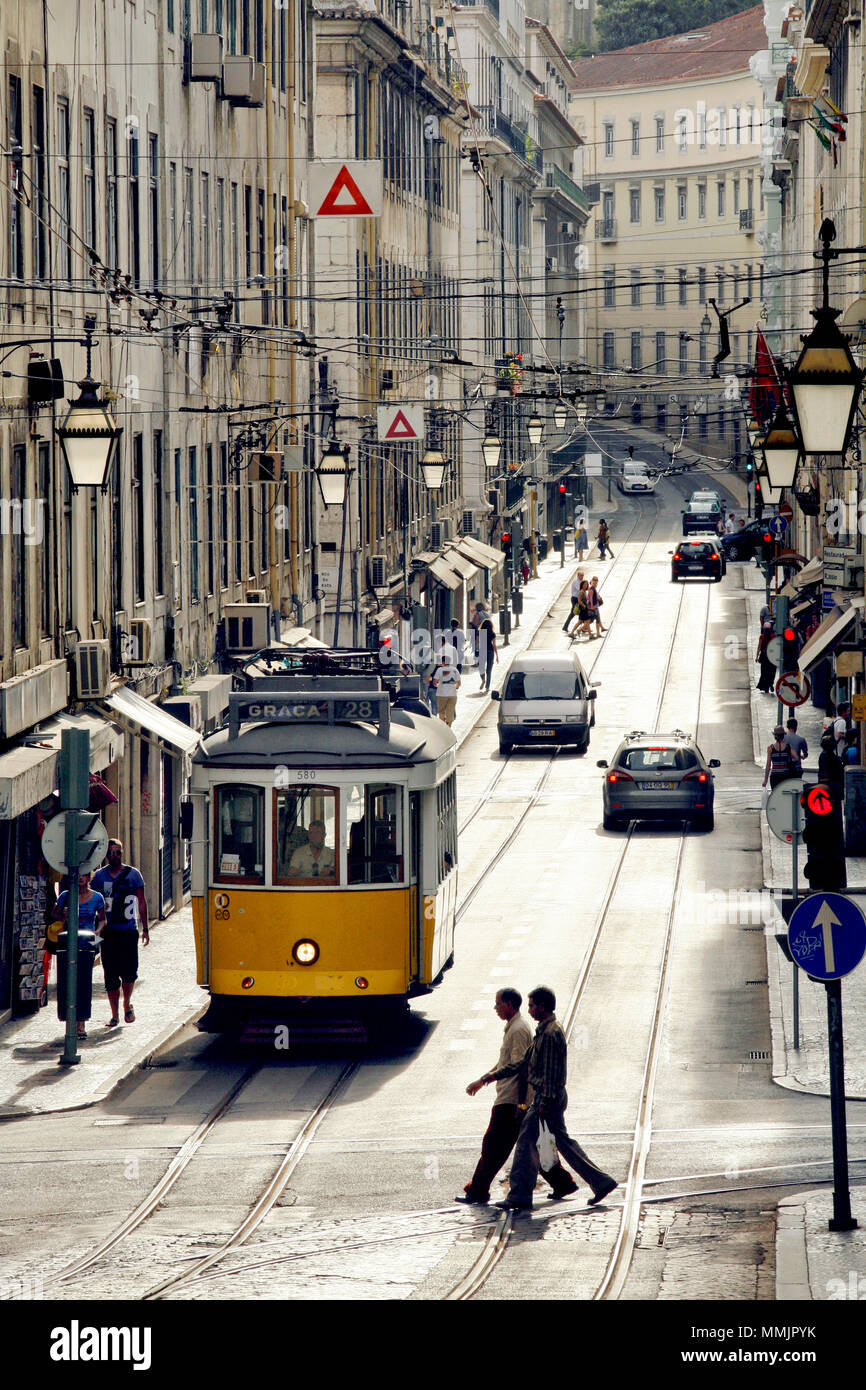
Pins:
x: 827, y: 936
x: 778, y: 526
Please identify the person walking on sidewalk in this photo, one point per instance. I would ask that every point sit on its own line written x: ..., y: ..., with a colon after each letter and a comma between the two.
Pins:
x: 581, y: 541
x: 458, y: 639
x: 122, y: 887
x: 91, y: 917
x: 545, y: 1066
x: 781, y: 761
x: 830, y: 766
x: 603, y: 541
x: 583, y: 617
x: 487, y: 652
x: 797, y: 744
x: 595, y: 601
x: 447, y: 682
x: 768, y: 667
x: 508, y: 1109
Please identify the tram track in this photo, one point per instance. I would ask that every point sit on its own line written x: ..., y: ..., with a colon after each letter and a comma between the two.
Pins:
x: 616, y: 1271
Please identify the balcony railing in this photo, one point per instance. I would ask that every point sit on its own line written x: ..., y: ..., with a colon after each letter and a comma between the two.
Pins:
x: 555, y: 177
x: 747, y: 220
x: 504, y: 129
x: 491, y: 5
x: 605, y: 229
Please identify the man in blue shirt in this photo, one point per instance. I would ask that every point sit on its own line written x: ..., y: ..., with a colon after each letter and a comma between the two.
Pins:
x: 122, y: 887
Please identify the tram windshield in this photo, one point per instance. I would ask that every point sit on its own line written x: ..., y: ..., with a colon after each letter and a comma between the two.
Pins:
x: 240, y: 835
x: 305, y: 840
x: 375, y: 834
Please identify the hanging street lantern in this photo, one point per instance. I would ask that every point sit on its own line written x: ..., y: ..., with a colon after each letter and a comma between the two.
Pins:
x: 491, y: 448
x: 333, y: 474
x: 560, y: 415
x: 535, y: 429
x: 433, y: 467
x: 89, y: 434
x: 781, y: 450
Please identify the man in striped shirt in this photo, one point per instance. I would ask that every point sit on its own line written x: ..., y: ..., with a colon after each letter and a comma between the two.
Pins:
x: 545, y: 1066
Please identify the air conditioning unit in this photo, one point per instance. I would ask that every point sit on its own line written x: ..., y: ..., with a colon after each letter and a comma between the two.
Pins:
x: 265, y: 467
x: 237, y: 79
x: 205, y: 57
x: 257, y: 94
x: 468, y: 522
x: 378, y: 571
x: 440, y: 532
x: 135, y: 644
x: 552, y: 263
x: 247, y: 626
x: 92, y: 669
x: 256, y: 596
x: 186, y: 708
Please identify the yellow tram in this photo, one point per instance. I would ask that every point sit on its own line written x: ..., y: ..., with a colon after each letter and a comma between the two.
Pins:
x: 324, y: 848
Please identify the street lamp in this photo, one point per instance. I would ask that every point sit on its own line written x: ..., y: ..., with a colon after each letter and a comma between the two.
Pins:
x: 89, y: 433
x: 433, y: 467
x: 600, y: 401
x: 781, y: 450
x: 333, y: 474
x: 706, y: 325
x: 535, y: 429
x: 581, y: 412
x: 560, y: 415
x: 491, y: 448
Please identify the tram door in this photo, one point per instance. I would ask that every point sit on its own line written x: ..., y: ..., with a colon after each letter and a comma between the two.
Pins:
x: 417, y: 933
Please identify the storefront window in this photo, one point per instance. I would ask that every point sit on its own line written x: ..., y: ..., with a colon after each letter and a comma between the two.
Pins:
x: 375, y: 834
x: 239, y: 835
x: 305, y: 837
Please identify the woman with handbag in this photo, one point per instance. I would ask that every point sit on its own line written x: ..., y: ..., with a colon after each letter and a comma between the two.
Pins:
x: 595, y: 602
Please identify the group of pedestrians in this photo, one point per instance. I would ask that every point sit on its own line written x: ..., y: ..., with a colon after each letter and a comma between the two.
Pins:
x: 789, y: 750
x: 586, y: 601
x: 445, y: 676
x: 530, y: 1077
x: 112, y: 904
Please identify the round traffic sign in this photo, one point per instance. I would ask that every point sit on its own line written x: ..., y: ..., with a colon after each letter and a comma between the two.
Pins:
x: 785, y: 815
x: 819, y: 801
x: 54, y: 843
x: 827, y: 936
x: 787, y: 511
x: 775, y: 650
x: 793, y: 690
x: 779, y: 526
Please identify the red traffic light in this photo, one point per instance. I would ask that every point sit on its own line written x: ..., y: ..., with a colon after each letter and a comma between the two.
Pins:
x: 767, y: 538
x: 562, y: 487
x: 506, y: 537
x: 819, y: 801
x: 789, y: 634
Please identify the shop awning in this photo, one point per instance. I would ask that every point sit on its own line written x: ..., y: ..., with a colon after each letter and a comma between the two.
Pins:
x: 811, y: 573
x: 442, y: 571
x: 385, y: 615
x: 825, y: 638
x: 465, y: 567
x: 137, y: 714
x: 481, y: 553
x: 29, y: 772
x: 106, y: 744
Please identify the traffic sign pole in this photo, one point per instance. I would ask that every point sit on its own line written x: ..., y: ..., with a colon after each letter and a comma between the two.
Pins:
x: 780, y: 622
x: 795, y: 845
x: 841, y: 1220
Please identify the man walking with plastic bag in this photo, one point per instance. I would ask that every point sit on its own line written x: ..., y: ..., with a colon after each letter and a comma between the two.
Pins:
x: 545, y: 1064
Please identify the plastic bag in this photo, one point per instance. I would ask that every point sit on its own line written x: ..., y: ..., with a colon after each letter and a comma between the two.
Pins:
x: 547, y: 1155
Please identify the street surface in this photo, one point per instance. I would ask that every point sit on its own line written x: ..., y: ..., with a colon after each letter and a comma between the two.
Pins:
x: 669, y: 1033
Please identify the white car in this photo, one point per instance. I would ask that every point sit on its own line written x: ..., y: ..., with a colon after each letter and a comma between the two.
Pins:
x: 635, y: 478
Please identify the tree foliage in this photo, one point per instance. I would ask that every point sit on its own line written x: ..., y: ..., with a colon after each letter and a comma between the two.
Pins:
x: 620, y: 23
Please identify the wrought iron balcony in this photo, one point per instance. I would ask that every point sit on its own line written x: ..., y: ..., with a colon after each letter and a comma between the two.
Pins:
x: 554, y: 177
x: 605, y: 229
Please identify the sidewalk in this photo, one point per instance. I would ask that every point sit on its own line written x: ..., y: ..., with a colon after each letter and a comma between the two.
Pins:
x: 813, y: 1262
x: 166, y: 995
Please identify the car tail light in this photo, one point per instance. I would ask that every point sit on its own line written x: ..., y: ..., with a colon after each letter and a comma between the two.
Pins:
x: 677, y: 555
x: 619, y: 777
x: 696, y: 777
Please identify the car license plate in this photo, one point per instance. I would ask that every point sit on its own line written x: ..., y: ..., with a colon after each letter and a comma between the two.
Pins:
x: 694, y: 565
x: 657, y: 786
x: 543, y: 733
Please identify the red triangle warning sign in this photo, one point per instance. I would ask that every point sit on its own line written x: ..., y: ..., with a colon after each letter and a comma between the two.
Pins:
x: 344, y: 198
x: 400, y: 428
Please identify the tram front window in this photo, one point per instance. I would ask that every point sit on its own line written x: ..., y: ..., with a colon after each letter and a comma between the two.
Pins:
x: 239, y: 840
x: 375, y: 834
x: 305, y: 837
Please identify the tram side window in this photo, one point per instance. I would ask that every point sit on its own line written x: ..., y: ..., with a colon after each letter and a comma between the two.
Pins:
x: 446, y: 808
x: 239, y: 839
x: 375, y: 834
x: 305, y: 839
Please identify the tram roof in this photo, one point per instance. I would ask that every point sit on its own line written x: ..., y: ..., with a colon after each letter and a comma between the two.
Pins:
x: 412, y: 738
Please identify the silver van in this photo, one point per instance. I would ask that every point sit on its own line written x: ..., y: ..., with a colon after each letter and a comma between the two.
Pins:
x: 546, y: 699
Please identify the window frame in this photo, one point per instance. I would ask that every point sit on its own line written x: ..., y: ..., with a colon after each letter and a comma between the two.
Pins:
x: 239, y: 880
x: 306, y: 884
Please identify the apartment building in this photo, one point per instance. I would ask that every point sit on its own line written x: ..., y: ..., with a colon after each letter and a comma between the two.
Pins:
x: 672, y: 132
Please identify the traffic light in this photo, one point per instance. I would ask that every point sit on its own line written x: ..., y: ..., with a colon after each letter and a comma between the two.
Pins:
x: 824, y: 837
x: 768, y: 547
x: 562, y: 489
x: 505, y: 542
x: 750, y: 465
x: 790, y: 651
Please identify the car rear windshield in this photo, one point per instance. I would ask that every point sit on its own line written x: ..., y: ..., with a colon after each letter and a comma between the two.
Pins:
x: 657, y: 759
x: 704, y: 506
x: 697, y: 550
x: 543, y: 685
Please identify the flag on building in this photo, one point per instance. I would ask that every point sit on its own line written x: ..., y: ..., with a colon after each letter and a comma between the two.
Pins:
x: 765, y: 395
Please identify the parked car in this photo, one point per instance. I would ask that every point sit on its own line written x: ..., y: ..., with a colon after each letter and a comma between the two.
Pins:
x: 743, y: 545
x: 658, y: 777
x: 702, y: 516
x: 698, y: 559
x: 547, y: 698
x: 635, y: 477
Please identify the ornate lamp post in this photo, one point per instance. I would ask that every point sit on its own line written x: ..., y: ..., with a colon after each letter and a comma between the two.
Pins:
x: 826, y: 381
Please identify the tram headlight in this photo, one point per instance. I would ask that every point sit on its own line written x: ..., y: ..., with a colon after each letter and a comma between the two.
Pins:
x: 305, y: 952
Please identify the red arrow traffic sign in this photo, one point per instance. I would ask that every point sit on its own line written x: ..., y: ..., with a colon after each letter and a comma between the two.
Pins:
x: 819, y: 801
x: 344, y: 199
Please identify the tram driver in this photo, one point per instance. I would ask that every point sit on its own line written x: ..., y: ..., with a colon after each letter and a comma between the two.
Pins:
x: 315, y: 859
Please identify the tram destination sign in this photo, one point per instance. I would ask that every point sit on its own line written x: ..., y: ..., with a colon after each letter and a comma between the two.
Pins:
x: 290, y: 707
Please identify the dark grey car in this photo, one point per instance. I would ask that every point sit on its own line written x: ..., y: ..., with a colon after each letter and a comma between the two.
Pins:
x: 658, y: 777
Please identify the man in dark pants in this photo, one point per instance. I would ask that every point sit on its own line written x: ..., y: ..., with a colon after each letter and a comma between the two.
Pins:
x: 545, y: 1066
x: 122, y: 887
x: 507, y: 1112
